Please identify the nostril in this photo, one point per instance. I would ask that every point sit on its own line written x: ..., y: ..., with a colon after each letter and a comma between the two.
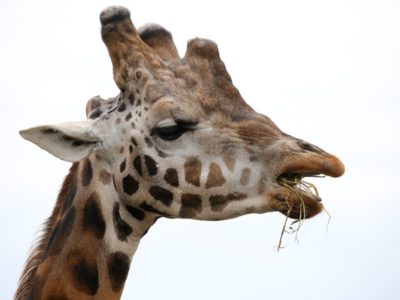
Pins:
x: 309, y: 147
x: 114, y: 14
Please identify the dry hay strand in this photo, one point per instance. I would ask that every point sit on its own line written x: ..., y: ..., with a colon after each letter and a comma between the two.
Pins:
x: 299, y: 187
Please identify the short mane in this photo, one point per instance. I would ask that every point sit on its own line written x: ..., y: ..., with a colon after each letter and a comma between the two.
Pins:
x: 25, y: 284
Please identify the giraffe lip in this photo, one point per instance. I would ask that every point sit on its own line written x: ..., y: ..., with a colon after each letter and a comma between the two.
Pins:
x: 312, y: 164
x: 297, y: 205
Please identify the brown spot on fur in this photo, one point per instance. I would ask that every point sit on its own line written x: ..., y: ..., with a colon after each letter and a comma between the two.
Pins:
x: 122, y: 228
x: 215, y: 176
x: 122, y: 107
x: 92, y: 219
x: 118, y: 267
x: 135, y: 212
x: 151, y: 165
x: 161, y: 194
x: 190, y: 205
x: 193, y: 171
x: 131, y: 99
x: 83, y: 272
x: 148, y: 142
x: 128, y: 116
x: 245, y: 176
x: 137, y: 163
x: 87, y: 172
x: 219, y: 202
x: 171, y: 176
x: 105, y: 177
x: 230, y: 162
x: 130, y: 185
x: 122, y: 166
x: 133, y: 141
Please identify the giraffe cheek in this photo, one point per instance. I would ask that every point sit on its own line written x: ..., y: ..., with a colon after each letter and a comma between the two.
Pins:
x: 215, y: 177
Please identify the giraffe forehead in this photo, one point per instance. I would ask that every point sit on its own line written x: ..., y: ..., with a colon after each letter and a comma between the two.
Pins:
x: 136, y: 107
x: 204, y: 99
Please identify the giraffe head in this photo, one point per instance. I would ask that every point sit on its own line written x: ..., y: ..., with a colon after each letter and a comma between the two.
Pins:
x: 179, y: 139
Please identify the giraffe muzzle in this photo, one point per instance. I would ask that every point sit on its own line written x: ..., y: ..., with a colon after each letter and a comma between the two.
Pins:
x: 292, y: 195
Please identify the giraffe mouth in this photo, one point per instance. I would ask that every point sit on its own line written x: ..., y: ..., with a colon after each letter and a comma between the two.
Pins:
x: 298, y: 198
x: 295, y: 196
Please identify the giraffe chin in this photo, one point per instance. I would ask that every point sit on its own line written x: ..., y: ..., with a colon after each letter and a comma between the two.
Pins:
x: 296, y: 204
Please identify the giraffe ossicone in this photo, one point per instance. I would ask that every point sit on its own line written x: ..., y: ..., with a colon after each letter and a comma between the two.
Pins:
x: 178, y: 141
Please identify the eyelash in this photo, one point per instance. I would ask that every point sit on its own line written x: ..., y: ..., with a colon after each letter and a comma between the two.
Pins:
x: 170, y: 133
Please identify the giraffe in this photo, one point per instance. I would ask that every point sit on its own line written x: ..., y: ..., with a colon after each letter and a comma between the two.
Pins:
x: 178, y: 141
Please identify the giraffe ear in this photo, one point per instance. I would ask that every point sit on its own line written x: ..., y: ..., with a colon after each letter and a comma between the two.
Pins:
x: 71, y: 141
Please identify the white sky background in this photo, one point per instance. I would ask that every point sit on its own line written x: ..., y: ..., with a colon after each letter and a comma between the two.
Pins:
x: 324, y: 71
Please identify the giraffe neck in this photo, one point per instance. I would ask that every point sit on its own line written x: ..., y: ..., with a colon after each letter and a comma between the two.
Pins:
x: 90, y: 240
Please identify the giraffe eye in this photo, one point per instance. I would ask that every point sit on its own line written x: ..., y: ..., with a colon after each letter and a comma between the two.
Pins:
x: 170, y: 133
